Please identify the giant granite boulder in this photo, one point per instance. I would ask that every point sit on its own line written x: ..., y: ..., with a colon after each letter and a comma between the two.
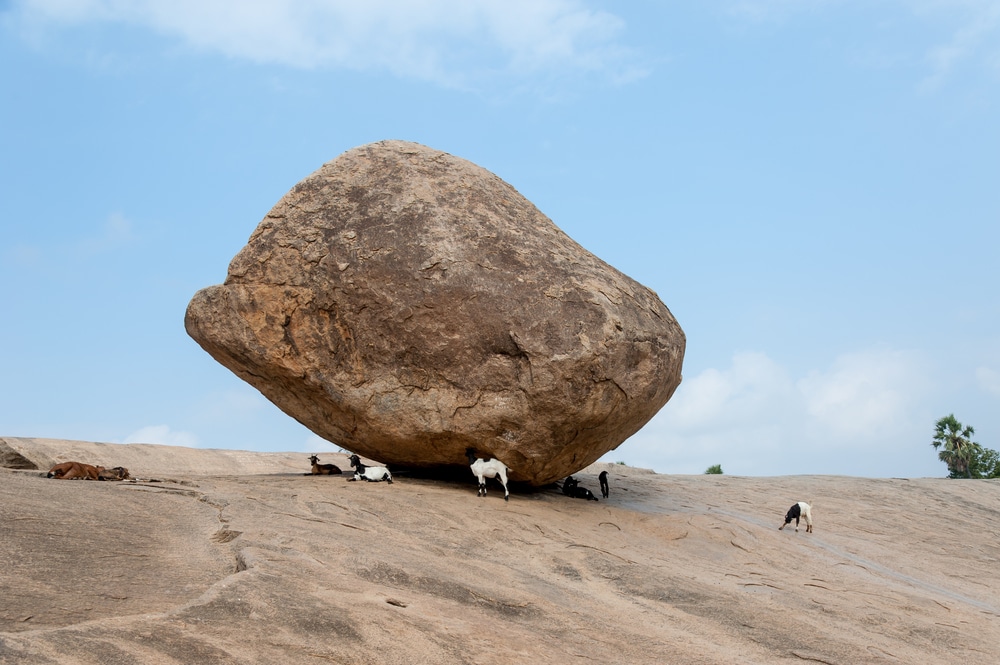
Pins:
x: 406, y: 304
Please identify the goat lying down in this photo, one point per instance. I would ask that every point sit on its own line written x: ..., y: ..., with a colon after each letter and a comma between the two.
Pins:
x: 372, y: 474
x: 483, y: 469
x: 800, y: 509
x: 322, y: 469
x: 571, y: 487
x: 75, y: 471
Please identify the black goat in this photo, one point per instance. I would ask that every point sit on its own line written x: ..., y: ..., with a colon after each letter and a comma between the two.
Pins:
x: 571, y: 487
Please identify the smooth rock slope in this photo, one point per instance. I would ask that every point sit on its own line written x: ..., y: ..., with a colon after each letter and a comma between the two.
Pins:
x: 277, y: 567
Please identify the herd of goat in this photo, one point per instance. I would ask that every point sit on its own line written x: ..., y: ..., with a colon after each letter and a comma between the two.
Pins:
x: 482, y: 469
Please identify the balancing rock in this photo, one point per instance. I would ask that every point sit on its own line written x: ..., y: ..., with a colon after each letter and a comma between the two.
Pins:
x: 406, y: 304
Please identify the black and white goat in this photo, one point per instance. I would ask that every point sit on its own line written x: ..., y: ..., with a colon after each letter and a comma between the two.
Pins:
x: 800, y: 509
x: 372, y: 474
x: 484, y: 469
x: 603, y: 478
x: 571, y: 487
x: 322, y: 469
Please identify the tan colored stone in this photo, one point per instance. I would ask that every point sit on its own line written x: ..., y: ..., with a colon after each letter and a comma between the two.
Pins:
x: 406, y: 304
x: 220, y: 564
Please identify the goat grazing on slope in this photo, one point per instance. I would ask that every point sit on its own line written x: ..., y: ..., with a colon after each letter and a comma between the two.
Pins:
x: 571, y: 487
x: 372, y: 474
x: 322, y: 469
x: 800, y: 509
x: 74, y: 471
x: 603, y: 478
x: 483, y: 469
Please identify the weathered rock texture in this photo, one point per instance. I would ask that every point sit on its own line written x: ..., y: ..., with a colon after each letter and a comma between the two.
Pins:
x: 217, y: 565
x: 406, y: 304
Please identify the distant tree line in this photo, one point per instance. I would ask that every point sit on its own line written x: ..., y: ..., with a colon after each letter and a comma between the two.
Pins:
x: 964, y: 457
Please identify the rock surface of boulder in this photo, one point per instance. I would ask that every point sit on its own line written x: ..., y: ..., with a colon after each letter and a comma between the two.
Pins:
x: 406, y: 304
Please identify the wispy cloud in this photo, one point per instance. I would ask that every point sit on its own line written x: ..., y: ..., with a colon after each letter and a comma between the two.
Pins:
x: 316, y: 444
x: 163, y: 435
x: 754, y: 387
x: 755, y: 418
x: 114, y: 233
x: 989, y: 380
x: 237, y: 405
x: 976, y: 37
x: 450, y: 42
x: 773, y: 10
x: 863, y: 395
x: 953, y: 34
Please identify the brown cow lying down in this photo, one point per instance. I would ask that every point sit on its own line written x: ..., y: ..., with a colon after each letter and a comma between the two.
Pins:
x: 115, y: 473
x: 75, y: 471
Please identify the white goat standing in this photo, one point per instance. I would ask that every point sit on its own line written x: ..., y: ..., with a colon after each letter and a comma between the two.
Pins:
x: 372, y: 474
x: 482, y: 469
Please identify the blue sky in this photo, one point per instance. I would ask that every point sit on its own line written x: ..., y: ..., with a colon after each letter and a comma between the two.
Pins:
x: 812, y: 188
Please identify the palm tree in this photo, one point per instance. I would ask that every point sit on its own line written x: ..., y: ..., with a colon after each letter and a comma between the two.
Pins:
x: 957, y: 445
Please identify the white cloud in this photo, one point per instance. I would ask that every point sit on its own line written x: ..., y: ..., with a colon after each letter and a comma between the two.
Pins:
x: 864, y: 394
x: 755, y: 419
x: 975, y: 37
x: 162, y: 434
x: 963, y: 31
x: 317, y: 444
x: 446, y: 41
x: 114, y: 233
x: 239, y: 404
x: 24, y: 255
x: 989, y: 380
x: 753, y: 387
x: 772, y: 10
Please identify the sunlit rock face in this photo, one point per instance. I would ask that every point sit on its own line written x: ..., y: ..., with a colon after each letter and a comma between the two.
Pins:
x: 406, y: 304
